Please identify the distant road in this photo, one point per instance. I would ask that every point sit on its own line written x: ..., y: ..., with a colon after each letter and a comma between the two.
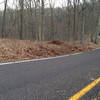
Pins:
x: 52, y: 79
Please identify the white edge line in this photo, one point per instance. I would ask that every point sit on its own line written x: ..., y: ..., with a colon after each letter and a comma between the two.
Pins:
x: 41, y: 59
x: 96, y: 49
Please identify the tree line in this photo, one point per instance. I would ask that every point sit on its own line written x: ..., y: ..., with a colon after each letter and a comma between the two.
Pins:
x: 73, y: 20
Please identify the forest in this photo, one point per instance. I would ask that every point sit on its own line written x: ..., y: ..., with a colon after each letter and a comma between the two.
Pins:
x: 42, y: 20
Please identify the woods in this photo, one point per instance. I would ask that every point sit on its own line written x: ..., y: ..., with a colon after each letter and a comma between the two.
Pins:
x: 43, y: 20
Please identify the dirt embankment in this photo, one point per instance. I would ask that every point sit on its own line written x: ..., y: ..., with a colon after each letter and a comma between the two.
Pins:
x: 15, y: 50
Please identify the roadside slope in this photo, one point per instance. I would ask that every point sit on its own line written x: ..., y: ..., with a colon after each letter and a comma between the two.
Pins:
x: 17, y: 50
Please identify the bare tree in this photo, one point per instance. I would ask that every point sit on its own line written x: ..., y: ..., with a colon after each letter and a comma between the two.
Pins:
x: 4, y: 19
x: 21, y: 5
x: 74, y: 24
x: 52, y: 34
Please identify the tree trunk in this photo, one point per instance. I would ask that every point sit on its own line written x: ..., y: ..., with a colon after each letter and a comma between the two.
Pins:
x: 4, y: 20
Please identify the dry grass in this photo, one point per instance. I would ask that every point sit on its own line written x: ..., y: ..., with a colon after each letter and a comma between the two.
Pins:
x: 15, y: 50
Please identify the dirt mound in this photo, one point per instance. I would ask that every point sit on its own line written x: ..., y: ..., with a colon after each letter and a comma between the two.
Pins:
x: 56, y: 42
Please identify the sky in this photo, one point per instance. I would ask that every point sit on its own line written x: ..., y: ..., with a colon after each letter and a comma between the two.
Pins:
x: 10, y: 3
x: 2, y: 4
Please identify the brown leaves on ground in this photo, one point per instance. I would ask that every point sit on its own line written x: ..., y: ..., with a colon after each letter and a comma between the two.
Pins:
x: 15, y: 50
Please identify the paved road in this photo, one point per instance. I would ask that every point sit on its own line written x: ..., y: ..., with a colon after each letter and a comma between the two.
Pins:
x: 55, y: 79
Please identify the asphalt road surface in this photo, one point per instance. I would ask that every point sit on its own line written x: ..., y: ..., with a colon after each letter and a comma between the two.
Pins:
x: 52, y: 79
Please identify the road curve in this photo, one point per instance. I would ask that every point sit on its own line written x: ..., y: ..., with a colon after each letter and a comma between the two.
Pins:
x: 52, y: 79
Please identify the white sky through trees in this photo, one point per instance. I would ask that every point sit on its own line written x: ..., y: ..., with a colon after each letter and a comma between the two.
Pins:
x: 57, y: 3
